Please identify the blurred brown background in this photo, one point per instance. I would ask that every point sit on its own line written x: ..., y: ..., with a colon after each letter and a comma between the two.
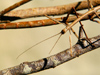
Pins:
x: 15, y: 41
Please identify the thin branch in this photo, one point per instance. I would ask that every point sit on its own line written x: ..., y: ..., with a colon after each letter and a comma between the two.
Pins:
x: 78, y: 49
x: 13, y: 7
x: 55, y: 10
x: 39, y: 23
x: 81, y: 47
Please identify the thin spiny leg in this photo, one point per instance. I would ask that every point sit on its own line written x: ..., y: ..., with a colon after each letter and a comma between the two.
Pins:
x: 70, y: 41
x: 92, y: 17
x: 64, y: 22
x: 74, y: 32
x: 95, y: 13
x: 84, y: 30
x: 80, y: 33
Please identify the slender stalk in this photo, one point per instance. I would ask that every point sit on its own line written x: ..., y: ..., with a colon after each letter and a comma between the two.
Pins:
x: 39, y: 23
x: 55, y: 10
x: 13, y: 7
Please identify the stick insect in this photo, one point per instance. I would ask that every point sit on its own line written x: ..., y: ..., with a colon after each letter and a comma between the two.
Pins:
x: 68, y: 27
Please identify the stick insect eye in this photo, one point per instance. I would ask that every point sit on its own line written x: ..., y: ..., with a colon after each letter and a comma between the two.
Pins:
x: 63, y: 31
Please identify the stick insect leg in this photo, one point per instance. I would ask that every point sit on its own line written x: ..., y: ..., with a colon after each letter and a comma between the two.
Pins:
x: 45, y: 39
x: 95, y: 13
x: 80, y: 33
x: 84, y: 30
x: 64, y: 23
x: 70, y: 39
x: 91, y: 17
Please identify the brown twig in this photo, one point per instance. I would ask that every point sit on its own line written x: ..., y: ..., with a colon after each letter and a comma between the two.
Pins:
x: 56, y: 10
x: 38, y: 23
x: 13, y: 7
x: 54, y: 60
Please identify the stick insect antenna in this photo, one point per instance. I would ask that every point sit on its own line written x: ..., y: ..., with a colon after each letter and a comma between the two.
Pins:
x: 64, y: 20
x: 37, y: 44
x: 55, y: 43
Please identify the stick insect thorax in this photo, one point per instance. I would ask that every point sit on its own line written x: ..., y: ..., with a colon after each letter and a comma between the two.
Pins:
x: 68, y: 27
x: 80, y: 18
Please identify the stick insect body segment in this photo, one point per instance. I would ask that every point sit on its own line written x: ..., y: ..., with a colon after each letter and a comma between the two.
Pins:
x: 68, y: 27
x: 78, y: 19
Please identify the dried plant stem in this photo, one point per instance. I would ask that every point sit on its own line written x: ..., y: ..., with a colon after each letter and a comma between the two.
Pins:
x: 13, y: 7
x: 38, y: 23
x: 56, y: 10
x: 54, y: 60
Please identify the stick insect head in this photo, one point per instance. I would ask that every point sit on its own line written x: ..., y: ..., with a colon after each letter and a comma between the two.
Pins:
x: 63, y: 31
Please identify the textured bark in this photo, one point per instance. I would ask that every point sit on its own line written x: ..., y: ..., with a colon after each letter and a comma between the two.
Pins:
x: 56, y: 10
x: 78, y: 49
x: 81, y: 47
x: 40, y: 23
x: 13, y: 6
x: 37, y: 23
